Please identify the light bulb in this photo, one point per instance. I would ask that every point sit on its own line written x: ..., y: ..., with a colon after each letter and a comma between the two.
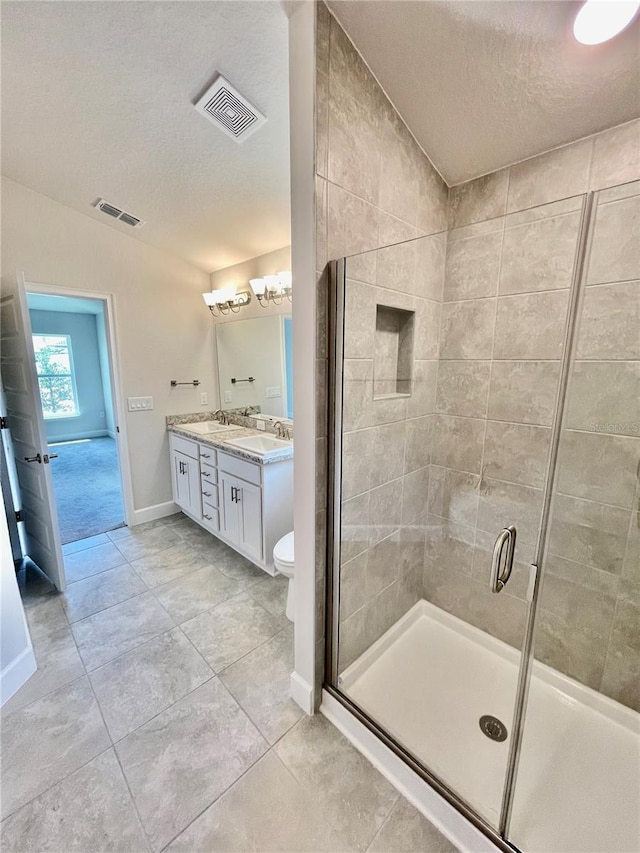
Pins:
x: 285, y: 279
x: 258, y: 286
x: 601, y: 20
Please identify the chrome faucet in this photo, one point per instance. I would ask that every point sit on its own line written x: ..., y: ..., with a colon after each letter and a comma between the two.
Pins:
x: 221, y: 416
x: 282, y: 431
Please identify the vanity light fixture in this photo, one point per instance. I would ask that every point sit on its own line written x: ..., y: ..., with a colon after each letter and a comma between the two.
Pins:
x: 272, y: 289
x: 226, y: 301
x: 601, y: 20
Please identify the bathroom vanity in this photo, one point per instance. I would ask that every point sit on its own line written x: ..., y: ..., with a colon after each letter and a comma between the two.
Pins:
x: 240, y: 492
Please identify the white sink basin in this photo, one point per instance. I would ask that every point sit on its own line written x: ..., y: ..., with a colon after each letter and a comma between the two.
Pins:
x: 262, y: 445
x: 206, y: 427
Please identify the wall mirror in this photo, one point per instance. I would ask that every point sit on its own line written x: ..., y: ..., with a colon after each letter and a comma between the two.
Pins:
x: 255, y: 364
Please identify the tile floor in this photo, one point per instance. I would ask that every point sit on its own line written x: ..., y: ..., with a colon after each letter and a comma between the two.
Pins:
x: 159, y: 717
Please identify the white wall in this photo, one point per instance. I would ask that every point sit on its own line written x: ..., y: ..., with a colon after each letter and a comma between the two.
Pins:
x: 17, y: 661
x: 163, y: 328
x: 302, y: 60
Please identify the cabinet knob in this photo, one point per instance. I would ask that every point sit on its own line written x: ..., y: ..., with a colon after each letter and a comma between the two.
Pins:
x: 207, y: 494
x: 206, y: 474
x: 208, y: 517
x: 206, y: 455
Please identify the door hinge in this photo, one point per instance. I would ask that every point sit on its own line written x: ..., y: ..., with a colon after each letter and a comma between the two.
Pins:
x: 19, y: 515
x: 3, y: 423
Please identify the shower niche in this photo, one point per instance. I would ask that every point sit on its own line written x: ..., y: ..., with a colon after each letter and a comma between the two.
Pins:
x: 393, y: 353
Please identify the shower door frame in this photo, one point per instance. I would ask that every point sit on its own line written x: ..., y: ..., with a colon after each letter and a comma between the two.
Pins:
x: 336, y: 315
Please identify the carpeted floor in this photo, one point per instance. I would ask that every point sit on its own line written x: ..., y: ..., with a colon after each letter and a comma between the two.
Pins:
x: 87, y: 485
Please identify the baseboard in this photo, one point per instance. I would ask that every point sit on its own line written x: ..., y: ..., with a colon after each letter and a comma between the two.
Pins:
x: 462, y: 834
x: 78, y: 436
x: 16, y: 674
x: 302, y: 692
x: 151, y: 513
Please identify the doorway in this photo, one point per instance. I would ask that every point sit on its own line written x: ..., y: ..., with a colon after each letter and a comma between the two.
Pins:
x: 73, y: 353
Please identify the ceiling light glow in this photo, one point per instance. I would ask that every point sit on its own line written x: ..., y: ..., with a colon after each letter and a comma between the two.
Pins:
x: 601, y: 20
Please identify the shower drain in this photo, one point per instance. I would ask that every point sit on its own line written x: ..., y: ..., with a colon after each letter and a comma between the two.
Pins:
x: 492, y: 727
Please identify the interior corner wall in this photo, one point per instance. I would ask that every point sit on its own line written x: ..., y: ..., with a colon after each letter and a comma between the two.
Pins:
x: 162, y: 327
x: 82, y: 330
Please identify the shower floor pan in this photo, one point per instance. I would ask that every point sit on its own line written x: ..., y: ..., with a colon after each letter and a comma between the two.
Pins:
x: 430, y: 678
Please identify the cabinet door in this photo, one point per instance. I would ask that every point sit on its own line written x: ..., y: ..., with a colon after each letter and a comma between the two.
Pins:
x: 179, y: 481
x: 185, y: 478
x: 192, y: 476
x: 249, y: 500
x: 229, y: 520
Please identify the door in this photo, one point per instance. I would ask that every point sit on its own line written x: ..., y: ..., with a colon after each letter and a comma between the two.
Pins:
x: 447, y: 360
x: 28, y: 434
x: 248, y: 498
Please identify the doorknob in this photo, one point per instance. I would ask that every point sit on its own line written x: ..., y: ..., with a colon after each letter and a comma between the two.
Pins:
x: 499, y: 575
x: 36, y: 458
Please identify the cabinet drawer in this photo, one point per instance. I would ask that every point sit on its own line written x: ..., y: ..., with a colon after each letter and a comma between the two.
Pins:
x: 209, y: 475
x: 183, y: 445
x: 242, y: 468
x: 210, y: 494
x: 210, y: 517
x: 208, y: 455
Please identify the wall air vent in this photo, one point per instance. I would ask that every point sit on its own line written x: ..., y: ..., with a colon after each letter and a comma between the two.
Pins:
x: 116, y: 213
x: 225, y: 107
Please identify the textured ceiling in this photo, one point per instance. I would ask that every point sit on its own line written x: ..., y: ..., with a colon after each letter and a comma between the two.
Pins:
x: 487, y: 83
x: 97, y: 102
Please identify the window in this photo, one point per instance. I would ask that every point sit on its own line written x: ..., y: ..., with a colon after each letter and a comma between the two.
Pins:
x: 54, y: 363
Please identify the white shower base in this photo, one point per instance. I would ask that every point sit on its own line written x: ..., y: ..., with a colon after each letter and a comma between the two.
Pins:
x: 428, y: 680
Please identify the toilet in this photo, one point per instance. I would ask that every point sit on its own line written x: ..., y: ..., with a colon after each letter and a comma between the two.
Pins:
x: 283, y: 561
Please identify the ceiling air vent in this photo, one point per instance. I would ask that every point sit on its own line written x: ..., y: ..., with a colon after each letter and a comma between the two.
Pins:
x: 116, y: 213
x: 223, y: 105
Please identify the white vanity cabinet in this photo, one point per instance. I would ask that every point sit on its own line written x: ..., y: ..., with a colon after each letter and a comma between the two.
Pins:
x: 246, y: 504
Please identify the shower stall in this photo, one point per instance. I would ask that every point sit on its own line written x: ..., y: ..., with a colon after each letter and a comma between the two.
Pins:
x: 483, y: 601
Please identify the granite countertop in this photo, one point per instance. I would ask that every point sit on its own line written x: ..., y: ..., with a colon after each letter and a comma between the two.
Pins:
x: 220, y: 442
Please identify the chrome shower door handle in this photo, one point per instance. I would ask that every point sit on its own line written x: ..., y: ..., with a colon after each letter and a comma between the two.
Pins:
x: 501, y: 568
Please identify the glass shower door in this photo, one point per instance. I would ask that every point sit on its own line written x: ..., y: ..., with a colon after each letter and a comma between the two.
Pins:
x: 447, y: 364
x: 578, y: 782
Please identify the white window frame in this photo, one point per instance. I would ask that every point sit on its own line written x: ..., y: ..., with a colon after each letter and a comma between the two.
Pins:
x: 71, y: 375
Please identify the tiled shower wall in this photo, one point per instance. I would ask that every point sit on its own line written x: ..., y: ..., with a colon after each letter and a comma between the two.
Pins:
x: 483, y: 388
x: 375, y: 187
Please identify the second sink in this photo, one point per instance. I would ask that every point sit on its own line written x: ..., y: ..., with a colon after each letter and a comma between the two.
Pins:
x: 262, y: 445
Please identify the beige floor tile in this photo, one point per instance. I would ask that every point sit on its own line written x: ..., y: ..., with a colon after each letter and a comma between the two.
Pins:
x: 182, y: 760
x: 91, y: 561
x: 144, y: 541
x: 167, y: 565
x: 406, y: 830
x: 271, y: 593
x: 58, y: 664
x: 88, y: 812
x: 142, y: 683
x: 198, y: 591
x: 119, y: 629
x: 344, y: 783
x: 47, y: 740
x: 260, y: 683
x: 99, y: 592
x: 231, y: 630
x: 266, y: 810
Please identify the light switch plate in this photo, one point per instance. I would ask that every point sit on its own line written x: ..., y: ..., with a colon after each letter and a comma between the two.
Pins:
x: 204, y: 398
x: 273, y: 391
x: 140, y: 404
x: 227, y: 396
